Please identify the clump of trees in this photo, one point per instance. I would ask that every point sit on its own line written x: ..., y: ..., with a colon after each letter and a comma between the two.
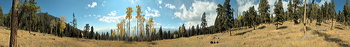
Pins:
x: 29, y: 19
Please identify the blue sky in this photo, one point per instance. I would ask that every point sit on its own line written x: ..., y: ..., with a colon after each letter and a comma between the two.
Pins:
x: 170, y: 14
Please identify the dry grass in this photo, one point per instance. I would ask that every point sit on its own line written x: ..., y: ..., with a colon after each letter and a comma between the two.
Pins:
x: 289, y: 35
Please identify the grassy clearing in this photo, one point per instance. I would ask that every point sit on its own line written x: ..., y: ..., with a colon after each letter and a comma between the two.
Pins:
x: 266, y: 35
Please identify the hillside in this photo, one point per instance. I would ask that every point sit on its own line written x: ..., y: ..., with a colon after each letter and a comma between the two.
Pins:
x: 288, y: 35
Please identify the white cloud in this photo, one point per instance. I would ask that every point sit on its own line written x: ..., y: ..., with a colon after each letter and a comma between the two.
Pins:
x: 103, y: 3
x: 244, y: 5
x: 323, y: 1
x: 92, y: 5
x: 160, y: 7
x: 170, y: 6
x: 112, y: 13
x: 194, y: 14
x: 170, y: 27
x: 160, y: 1
x: 285, y: 5
x: 110, y: 19
x: 152, y: 12
x: 132, y: 1
x: 93, y: 15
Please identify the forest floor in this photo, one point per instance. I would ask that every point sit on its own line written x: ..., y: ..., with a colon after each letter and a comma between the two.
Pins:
x: 265, y: 35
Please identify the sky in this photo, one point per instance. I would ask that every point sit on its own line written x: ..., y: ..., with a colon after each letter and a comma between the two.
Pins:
x: 103, y: 15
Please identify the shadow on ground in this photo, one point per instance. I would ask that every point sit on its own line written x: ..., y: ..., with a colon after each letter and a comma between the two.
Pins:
x: 244, y: 32
x: 152, y: 43
x: 282, y: 27
x: 262, y: 27
x: 236, y: 29
x: 339, y: 28
x: 336, y: 40
x: 308, y: 28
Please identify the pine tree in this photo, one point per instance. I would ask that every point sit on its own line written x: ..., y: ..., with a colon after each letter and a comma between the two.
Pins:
x: 192, y: 31
x: 332, y: 12
x: 28, y: 10
x: 165, y: 35
x: 252, y: 17
x: 263, y: 10
x: 92, y: 32
x: 198, y: 30
x: 2, y: 17
x: 74, y: 22
x: 296, y: 11
x: 346, y: 13
x: 160, y: 33
x: 279, y: 13
x: 204, y: 22
x: 169, y: 36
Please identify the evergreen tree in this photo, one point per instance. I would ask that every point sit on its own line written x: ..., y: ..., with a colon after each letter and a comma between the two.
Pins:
x: 92, y: 32
x: 160, y: 33
x: 165, y: 34
x: 198, y: 30
x: 74, y: 22
x: 346, y: 12
x: 263, y: 10
x: 332, y: 12
x: 279, y: 13
x: 2, y: 17
x: 296, y: 11
x: 192, y: 31
x: 204, y: 22
x: 168, y: 36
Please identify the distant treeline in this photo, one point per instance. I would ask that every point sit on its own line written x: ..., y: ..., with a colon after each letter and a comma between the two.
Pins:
x: 46, y: 23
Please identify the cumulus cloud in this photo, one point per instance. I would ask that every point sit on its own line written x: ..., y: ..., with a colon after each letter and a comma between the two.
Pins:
x: 112, y: 13
x: 194, y: 14
x: 132, y: 1
x: 93, y: 15
x: 170, y: 6
x: 92, y: 5
x: 152, y: 12
x: 324, y: 1
x: 159, y: 1
x: 243, y: 5
x: 110, y: 19
x: 103, y: 3
x: 160, y: 7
